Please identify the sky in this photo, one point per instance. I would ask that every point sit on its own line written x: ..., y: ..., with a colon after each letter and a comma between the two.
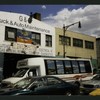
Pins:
x: 59, y: 15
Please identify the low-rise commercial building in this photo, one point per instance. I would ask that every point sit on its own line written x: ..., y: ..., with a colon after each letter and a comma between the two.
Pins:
x: 22, y: 37
x: 98, y: 51
x: 76, y: 45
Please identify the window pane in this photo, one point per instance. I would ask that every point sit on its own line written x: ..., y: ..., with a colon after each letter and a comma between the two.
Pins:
x: 49, y: 40
x: 36, y: 38
x: 82, y: 66
x: 53, y: 81
x: 89, y: 45
x: 60, y: 67
x: 68, y: 68
x: 88, y: 67
x: 77, y: 42
x: 33, y: 36
x: 51, y: 67
x: 64, y: 40
x: 75, y: 67
x: 10, y: 34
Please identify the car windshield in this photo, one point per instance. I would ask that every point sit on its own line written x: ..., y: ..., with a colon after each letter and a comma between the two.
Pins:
x: 21, y: 72
x: 27, y: 82
x: 97, y: 77
x: 23, y: 83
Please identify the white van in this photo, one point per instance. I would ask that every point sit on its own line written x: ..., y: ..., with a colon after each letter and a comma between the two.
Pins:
x: 65, y: 68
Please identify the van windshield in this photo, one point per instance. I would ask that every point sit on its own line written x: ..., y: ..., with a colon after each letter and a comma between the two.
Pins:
x: 21, y: 72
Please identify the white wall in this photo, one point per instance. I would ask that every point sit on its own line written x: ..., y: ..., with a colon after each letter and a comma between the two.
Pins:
x: 20, y: 21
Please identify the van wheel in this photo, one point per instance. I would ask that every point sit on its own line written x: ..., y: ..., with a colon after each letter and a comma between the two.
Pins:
x: 68, y: 93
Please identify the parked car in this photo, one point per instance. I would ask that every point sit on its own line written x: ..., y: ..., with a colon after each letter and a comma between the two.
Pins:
x: 90, y: 85
x: 46, y: 85
x: 95, y: 92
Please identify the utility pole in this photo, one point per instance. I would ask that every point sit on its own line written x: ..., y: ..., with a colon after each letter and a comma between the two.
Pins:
x: 64, y: 30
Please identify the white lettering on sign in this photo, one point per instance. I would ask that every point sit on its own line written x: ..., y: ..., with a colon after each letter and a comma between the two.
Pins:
x: 23, y: 25
x: 22, y: 19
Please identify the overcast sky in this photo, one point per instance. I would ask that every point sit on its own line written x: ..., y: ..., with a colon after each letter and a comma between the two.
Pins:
x: 57, y: 15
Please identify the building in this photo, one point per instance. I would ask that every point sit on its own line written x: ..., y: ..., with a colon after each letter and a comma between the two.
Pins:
x: 20, y: 39
x: 98, y: 51
x: 76, y: 45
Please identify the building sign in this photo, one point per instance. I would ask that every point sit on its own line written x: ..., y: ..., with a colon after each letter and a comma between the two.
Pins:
x: 22, y: 23
x: 18, y: 48
x: 24, y: 36
x: 20, y: 37
x: 21, y: 48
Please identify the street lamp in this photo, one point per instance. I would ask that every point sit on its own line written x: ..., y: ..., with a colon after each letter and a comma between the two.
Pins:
x: 30, y: 18
x: 64, y: 30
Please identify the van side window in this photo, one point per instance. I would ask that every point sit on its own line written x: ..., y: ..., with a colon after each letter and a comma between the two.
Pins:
x: 75, y: 66
x: 33, y: 71
x: 88, y: 67
x: 60, y: 67
x: 82, y: 67
x: 50, y: 67
x: 68, y: 67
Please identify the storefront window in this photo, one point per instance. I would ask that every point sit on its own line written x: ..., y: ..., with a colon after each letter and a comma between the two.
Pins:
x: 10, y: 34
x: 36, y: 38
x: 49, y: 40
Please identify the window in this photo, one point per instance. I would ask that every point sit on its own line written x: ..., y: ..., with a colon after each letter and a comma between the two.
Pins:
x: 23, y: 83
x: 49, y: 40
x: 89, y: 45
x: 40, y: 83
x: 68, y: 68
x: 53, y: 81
x: 10, y: 34
x: 34, y: 73
x: 77, y: 42
x: 75, y: 66
x: 87, y: 66
x: 60, y: 67
x: 82, y: 66
x: 36, y: 38
x: 64, y: 40
x: 50, y: 66
x: 21, y: 72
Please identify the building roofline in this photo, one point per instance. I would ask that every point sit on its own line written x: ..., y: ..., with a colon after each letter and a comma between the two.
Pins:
x: 77, y: 32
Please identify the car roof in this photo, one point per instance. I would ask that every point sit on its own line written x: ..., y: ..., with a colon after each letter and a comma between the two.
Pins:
x: 46, y: 76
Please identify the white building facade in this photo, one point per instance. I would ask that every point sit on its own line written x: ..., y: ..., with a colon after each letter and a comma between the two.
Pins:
x: 18, y: 36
